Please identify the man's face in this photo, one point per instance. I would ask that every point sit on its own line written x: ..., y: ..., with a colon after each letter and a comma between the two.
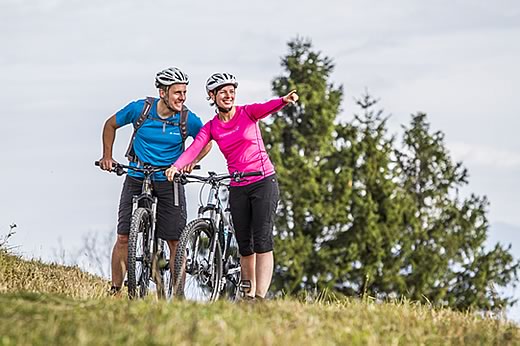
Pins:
x: 176, y: 96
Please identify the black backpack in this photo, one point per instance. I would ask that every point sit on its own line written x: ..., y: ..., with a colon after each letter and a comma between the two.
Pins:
x: 130, y: 153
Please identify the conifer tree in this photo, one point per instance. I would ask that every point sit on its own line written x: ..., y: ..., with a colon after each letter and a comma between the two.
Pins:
x: 360, y: 216
x: 446, y: 259
x: 299, y: 141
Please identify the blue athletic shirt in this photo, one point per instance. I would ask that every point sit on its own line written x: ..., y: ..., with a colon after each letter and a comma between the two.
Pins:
x: 156, y: 142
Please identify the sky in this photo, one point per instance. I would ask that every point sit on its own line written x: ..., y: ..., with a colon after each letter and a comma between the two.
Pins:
x: 66, y: 66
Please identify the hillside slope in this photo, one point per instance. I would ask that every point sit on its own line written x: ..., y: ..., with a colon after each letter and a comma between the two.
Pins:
x: 50, y: 304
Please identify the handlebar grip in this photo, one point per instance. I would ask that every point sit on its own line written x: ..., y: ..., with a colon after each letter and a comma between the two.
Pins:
x: 115, y: 165
x: 252, y: 174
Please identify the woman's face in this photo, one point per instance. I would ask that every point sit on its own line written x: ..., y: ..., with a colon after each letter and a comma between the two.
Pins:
x: 225, y: 97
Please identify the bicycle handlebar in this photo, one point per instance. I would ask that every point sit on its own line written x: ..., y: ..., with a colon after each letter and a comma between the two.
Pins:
x: 120, y: 168
x: 214, y: 177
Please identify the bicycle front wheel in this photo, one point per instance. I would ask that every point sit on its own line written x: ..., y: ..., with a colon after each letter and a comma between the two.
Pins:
x: 161, y: 269
x: 198, y: 263
x: 139, y: 261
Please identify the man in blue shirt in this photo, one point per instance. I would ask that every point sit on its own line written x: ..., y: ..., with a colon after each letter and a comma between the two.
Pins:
x: 158, y: 141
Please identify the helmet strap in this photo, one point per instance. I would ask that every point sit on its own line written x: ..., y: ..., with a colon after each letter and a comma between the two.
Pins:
x: 224, y: 110
x: 166, y: 100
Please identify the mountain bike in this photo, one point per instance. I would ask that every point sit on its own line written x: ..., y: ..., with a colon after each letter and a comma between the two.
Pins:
x: 148, y: 255
x: 207, y: 263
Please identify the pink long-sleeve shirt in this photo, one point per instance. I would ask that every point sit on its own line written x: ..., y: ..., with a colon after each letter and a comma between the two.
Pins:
x: 239, y: 139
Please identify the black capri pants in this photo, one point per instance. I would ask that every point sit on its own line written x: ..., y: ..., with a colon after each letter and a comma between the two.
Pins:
x: 171, y: 218
x: 253, y: 208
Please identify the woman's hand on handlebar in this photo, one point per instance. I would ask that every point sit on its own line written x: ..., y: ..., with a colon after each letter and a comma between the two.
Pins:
x: 189, y: 168
x: 107, y: 163
x: 170, y: 173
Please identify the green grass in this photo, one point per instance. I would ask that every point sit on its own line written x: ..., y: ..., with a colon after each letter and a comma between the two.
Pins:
x: 62, y: 311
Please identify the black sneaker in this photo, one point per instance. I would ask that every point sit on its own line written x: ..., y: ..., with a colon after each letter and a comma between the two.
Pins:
x: 114, y: 291
x: 248, y: 299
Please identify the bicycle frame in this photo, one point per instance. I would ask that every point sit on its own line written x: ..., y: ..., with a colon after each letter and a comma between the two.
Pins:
x: 219, y: 219
x: 217, y: 215
x: 153, y: 246
x: 148, y: 201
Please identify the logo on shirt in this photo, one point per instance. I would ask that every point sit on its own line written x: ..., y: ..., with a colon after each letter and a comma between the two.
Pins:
x: 225, y: 134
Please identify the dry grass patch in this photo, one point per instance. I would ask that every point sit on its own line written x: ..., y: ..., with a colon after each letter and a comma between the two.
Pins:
x: 17, y: 275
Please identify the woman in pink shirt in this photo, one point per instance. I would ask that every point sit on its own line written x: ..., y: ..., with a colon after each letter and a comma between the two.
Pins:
x: 253, y: 201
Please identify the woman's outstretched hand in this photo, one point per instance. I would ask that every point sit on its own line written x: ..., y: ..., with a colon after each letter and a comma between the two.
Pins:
x: 170, y: 173
x: 291, y: 97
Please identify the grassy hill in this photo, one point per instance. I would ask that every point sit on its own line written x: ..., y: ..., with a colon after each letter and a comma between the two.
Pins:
x: 56, y: 305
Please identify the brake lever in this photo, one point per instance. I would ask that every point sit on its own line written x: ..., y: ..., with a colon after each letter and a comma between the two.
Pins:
x: 119, y: 170
x: 237, y: 177
x: 181, y: 179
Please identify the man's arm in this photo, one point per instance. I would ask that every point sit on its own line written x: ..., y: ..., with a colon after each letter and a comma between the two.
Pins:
x: 108, y: 137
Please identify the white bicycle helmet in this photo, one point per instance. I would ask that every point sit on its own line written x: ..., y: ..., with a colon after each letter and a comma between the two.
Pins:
x: 170, y: 76
x: 217, y: 80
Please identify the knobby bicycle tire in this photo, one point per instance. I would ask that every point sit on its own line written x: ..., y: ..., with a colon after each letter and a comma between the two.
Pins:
x: 232, y: 270
x: 192, y: 264
x: 138, y: 257
x: 161, y: 269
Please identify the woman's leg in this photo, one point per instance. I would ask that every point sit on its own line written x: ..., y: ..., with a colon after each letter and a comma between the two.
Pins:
x: 264, y: 201
x: 241, y: 213
x: 248, y: 272
x: 263, y: 272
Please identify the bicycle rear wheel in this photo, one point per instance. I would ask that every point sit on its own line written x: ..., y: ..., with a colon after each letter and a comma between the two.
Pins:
x: 232, y: 270
x: 197, y: 269
x: 139, y: 261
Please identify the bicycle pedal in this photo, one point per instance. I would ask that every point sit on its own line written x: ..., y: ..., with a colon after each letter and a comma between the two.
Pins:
x: 245, y: 286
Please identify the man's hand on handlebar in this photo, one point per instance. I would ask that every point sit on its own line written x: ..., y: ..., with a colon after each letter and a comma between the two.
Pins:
x: 107, y: 163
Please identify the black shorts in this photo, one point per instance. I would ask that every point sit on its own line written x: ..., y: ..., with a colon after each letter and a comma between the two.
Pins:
x: 253, y: 208
x: 171, y: 219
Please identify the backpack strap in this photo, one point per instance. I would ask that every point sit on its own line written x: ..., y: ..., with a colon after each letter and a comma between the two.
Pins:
x: 130, y: 154
x: 183, y: 125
